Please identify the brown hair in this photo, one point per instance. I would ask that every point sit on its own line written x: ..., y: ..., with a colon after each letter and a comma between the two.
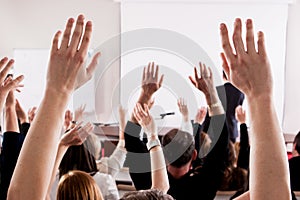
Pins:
x: 78, y: 185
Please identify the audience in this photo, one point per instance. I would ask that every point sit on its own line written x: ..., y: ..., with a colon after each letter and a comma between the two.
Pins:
x: 160, y: 169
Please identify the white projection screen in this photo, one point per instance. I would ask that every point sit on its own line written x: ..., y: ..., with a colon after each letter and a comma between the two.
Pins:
x: 177, y: 35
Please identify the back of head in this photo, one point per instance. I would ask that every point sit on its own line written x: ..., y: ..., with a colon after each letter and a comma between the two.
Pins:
x: 178, y: 147
x: 78, y: 185
x: 297, y: 142
x: 79, y: 157
x: 151, y: 194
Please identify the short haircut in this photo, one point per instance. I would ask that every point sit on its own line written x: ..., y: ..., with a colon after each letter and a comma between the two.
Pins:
x: 78, y: 185
x: 178, y: 147
x: 150, y: 194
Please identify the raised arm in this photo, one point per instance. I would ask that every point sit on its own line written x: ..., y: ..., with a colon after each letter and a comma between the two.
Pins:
x: 159, y: 175
x: 75, y: 136
x: 186, y: 124
x: 115, y: 161
x: 249, y: 69
x: 66, y: 72
x: 151, y: 82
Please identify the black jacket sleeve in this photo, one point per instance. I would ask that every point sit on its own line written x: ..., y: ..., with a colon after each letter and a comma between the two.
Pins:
x: 244, y: 153
x: 138, y: 157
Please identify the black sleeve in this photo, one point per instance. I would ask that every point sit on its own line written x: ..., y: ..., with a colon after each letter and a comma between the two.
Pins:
x: 24, y: 128
x: 244, y: 153
x: 11, y: 146
x: 215, y: 161
x: 138, y: 157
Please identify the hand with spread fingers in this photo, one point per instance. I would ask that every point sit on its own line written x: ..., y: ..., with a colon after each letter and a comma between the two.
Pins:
x: 69, y: 58
x: 205, y: 83
x: 248, y: 69
x: 200, y: 115
x: 183, y: 109
x: 150, y: 80
x: 145, y: 119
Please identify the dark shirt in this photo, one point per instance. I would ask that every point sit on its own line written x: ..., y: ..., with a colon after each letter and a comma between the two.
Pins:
x: 294, y: 164
x: 199, y: 183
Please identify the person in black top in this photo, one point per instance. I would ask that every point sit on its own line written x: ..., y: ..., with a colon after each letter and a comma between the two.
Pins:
x: 294, y: 164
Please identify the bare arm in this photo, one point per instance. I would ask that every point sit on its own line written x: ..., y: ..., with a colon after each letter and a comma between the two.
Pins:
x: 250, y: 71
x: 11, y: 119
x: 158, y: 167
x: 66, y: 72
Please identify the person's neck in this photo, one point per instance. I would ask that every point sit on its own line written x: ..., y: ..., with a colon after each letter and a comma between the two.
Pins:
x: 177, y: 173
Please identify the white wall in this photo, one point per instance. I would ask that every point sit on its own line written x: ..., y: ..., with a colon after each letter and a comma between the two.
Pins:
x: 32, y: 24
x: 291, y: 122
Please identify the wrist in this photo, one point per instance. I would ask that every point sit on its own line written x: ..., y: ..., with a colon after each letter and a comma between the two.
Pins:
x: 152, y: 143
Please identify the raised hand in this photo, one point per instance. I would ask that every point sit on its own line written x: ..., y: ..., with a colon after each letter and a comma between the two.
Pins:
x: 145, y: 120
x: 77, y: 135
x: 240, y: 114
x: 183, y: 109
x: 66, y: 70
x: 247, y: 69
x: 68, y: 119
x: 7, y: 83
x: 21, y: 114
x: 205, y: 83
x: 31, y: 113
x: 150, y: 81
x: 200, y: 115
x: 78, y: 114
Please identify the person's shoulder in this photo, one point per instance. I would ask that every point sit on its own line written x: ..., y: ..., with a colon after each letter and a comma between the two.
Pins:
x: 295, y: 160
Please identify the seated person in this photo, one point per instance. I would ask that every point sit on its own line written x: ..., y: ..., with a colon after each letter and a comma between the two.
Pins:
x: 294, y: 164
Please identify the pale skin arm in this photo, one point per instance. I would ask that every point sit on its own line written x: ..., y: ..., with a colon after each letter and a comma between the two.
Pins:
x: 66, y: 72
x: 159, y: 174
x: 11, y: 120
x: 250, y: 71
x: 151, y: 82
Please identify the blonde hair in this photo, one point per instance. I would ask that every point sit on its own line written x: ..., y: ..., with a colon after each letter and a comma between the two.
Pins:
x: 78, y: 185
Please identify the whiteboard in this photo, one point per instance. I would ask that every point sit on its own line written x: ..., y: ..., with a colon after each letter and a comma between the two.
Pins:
x: 198, y: 23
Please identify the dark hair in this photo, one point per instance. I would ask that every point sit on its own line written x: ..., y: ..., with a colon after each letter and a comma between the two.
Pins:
x: 150, y: 194
x: 79, y: 157
x: 77, y: 185
x: 178, y: 147
x: 297, y: 142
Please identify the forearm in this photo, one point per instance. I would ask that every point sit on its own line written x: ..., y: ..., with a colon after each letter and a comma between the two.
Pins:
x: 11, y: 120
x: 39, y: 149
x: 60, y: 154
x: 269, y: 175
x: 158, y: 170
x: 143, y: 99
x: 215, y: 106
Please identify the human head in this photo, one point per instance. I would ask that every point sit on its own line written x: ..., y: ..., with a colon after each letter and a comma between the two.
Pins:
x: 79, y: 157
x: 179, y: 147
x: 296, y: 143
x: 78, y: 185
x: 151, y: 194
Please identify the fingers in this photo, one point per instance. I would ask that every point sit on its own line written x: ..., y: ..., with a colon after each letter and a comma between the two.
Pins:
x: 160, y: 81
x: 237, y: 38
x: 225, y: 65
x: 6, y: 68
x: 92, y: 66
x: 225, y: 42
x: 55, y: 42
x: 261, y: 44
x: 67, y: 33
x: 86, y: 38
x: 15, y: 83
x: 193, y: 81
x: 250, y: 37
x: 77, y: 33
